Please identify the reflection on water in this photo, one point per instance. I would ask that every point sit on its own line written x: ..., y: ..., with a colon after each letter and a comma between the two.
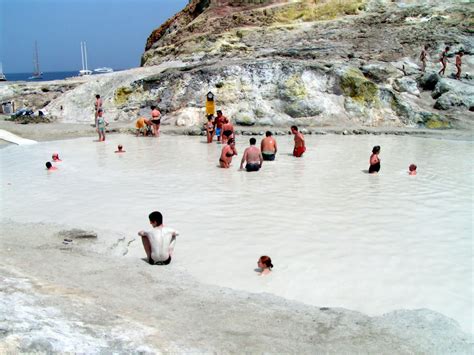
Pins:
x: 337, y: 236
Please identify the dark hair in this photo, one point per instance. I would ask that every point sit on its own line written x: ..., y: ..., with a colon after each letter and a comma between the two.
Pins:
x: 252, y: 141
x: 97, y: 96
x: 48, y: 165
x: 120, y: 146
x: 412, y: 167
x: 218, y: 111
x: 152, y: 107
x: 265, y: 260
x: 210, y: 117
x: 376, y: 149
x: 156, y: 217
x: 230, y: 141
x: 100, y: 110
x: 447, y: 48
x: 295, y: 128
x: 268, y: 133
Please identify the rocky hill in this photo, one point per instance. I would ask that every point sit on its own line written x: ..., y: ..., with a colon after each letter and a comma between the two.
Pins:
x: 346, y: 63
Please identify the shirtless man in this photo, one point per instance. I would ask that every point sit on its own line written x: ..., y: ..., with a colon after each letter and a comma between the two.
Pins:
x: 218, y: 122
x: 268, y: 147
x: 458, y: 65
x: 424, y: 57
x: 98, y: 106
x: 227, y: 153
x: 300, y: 147
x: 227, y: 131
x: 443, y: 59
x: 253, y: 156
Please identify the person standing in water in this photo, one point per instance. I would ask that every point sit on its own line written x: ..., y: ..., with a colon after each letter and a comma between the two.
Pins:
x: 374, y: 160
x: 424, y: 57
x: 101, y: 123
x: 253, y: 157
x: 265, y: 265
x: 300, y: 147
x: 155, y: 120
x: 97, y: 106
x: 268, y: 146
x: 443, y: 59
x: 209, y: 126
x: 218, y: 123
x: 227, y: 153
x: 458, y: 65
x: 227, y: 131
x: 159, y: 242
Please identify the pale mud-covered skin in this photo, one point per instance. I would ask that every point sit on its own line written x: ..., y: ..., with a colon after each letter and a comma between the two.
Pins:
x: 84, y: 296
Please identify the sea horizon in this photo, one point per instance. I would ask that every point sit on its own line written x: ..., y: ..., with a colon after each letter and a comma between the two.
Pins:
x: 47, y: 76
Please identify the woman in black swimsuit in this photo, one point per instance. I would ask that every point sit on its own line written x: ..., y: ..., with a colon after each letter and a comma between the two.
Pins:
x: 374, y: 160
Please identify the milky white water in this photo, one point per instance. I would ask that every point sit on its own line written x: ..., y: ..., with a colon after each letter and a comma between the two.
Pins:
x: 337, y: 236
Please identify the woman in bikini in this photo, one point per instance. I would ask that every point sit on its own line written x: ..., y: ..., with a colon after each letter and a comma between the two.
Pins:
x: 374, y: 160
x: 227, y: 153
x: 155, y: 120
x: 209, y: 128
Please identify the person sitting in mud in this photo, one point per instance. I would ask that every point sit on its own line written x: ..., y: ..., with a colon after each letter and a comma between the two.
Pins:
x: 218, y: 122
x: 265, y: 265
x: 50, y: 167
x: 227, y: 131
x: 155, y: 120
x: 55, y: 157
x: 300, y: 147
x: 374, y: 160
x: 412, y: 169
x: 120, y: 149
x: 209, y: 126
x: 159, y: 242
x: 143, y: 126
x: 268, y: 146
x: 443, y: 59
x: 253, y: 157
x: 227, y: 153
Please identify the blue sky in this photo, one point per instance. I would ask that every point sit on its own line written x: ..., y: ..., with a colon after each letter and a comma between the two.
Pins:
x: 115, y: 32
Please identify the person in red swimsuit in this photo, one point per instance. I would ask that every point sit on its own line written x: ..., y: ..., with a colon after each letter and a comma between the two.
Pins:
x: 300, y: 147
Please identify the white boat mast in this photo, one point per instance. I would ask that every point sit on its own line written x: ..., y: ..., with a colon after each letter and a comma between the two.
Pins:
x: 85, y: 54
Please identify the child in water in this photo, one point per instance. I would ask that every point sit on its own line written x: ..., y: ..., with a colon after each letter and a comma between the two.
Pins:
x: 412, y: 169
x: 120, y: 149
x: 101, y: 123
x: 265, y: 265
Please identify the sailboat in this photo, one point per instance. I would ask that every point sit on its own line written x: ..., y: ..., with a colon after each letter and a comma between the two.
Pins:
x: 2, y: 76
x: 84, y: 70
x: 37, y: 74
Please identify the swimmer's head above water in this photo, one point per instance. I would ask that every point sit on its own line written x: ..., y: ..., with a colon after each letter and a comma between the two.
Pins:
x: 50, y: 166
x: 412, y: 169
x: 55, y: 157
x: 265, y: 264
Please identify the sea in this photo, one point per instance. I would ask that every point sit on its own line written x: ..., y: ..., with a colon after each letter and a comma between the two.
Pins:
x: 47, y: 76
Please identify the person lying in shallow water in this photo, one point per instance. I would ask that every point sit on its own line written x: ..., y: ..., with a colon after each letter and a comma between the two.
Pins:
x: 265, y: 265
x: 120, y: 149
x: 227, y: 153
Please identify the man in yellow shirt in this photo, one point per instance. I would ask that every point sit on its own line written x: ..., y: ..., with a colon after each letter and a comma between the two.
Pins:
x: 142, y: 125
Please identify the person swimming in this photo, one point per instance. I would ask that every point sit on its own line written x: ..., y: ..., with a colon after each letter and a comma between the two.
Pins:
x: 120, y: 149
x: 412, y: 169
x: 374, y: 160
x: 50, y: 166
x: 55, y: 157
x: 265, y: 265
